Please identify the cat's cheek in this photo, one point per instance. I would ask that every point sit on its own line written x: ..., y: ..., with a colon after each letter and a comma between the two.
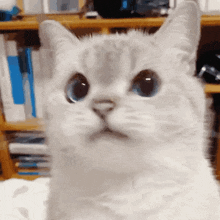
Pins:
x: 80, y: 122
x: 54, y: 99
x: 70, y: 118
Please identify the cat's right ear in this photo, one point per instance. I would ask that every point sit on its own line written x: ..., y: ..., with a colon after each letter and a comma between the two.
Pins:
x: 54, y: 36
x: 55, y: 41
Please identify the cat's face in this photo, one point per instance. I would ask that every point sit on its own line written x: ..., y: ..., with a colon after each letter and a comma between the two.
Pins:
x: 113, y: 101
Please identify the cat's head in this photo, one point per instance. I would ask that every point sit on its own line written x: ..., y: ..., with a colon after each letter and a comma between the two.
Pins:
x: 116, y: 101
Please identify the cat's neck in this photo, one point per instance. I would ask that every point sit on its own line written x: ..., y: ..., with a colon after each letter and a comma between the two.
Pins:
x: 91, y: 183
x: 139, y: 193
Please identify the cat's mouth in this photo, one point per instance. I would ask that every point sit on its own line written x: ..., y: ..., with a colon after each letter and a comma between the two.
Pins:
x: 107, y: 132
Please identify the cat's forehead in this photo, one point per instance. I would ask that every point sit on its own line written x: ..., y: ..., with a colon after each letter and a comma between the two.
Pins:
x: 114, y: 56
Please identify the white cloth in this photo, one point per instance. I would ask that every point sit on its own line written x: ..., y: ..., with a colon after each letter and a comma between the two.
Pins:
x: 23, y: 199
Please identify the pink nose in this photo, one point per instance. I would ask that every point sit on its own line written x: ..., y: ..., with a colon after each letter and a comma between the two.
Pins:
x: 103, y: 107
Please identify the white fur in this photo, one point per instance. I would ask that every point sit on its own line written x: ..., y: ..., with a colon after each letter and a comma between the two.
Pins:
x: 159, y: 172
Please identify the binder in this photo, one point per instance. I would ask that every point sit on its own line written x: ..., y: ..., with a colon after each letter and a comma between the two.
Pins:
x: 12, y: 93
x: 28, y: 81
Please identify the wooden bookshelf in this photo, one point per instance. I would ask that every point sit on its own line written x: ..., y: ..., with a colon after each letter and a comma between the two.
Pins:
x: 74, y: 22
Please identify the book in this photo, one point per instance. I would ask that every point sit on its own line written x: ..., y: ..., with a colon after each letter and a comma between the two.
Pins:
x: 33, y: 7
x: 56, y: 6
x: 31, y: 158
x: 28, y: 81
x: 172, y: 3
x: 13, y: 136
x: 38, y: 81
x: 28, y: 140
x: 27, y: 143
x: 16, y: 136
x: 16, y: 79
x: 32, y: 173
x: 45, y: 6
x: 29, y: 152
x: 28, y: 148
x: 50, y: 6
x: 10, y: 81
x: 32, y: 164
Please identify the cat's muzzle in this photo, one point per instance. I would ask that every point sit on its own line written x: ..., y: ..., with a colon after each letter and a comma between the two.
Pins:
x: 107, y: 132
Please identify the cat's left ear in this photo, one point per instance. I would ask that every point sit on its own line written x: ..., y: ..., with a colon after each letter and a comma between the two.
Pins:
x: 181, y: 30
x: 54, y: 36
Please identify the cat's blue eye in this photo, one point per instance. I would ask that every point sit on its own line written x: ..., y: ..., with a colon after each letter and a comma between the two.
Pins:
x: 77, y: 88
x: 146, y: 83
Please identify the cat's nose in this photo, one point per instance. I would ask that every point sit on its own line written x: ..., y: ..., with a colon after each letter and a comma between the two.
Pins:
x: 103, y: 107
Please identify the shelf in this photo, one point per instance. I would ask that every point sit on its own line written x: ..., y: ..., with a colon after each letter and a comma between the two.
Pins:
x: 74, y: 22
x: 25, y: 177
x: 28, y: 125
x: 212, y: 88
x: 85, y: 23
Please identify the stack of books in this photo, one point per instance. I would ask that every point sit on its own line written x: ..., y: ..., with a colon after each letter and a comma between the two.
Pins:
x: 29, y: 153
x: 21, y: 81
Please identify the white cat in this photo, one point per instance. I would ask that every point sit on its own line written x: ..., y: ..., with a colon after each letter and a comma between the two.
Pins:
x: 126, y: 124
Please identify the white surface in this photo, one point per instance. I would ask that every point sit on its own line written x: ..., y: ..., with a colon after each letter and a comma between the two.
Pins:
x: 33, y: 6
x: 7, y: 5
x: 23, y: 199
x: 21, y: 148
x: 205, y: 5
x: 212, y: 5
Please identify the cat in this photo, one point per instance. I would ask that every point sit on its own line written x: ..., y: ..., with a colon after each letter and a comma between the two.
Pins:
x: 125, y: 119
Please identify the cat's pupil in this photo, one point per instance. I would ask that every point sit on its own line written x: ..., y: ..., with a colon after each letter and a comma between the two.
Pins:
x: 77, y: 88
x: 146, y: 83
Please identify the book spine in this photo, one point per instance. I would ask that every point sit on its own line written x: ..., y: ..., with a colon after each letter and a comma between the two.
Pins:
x: 23, y: 173
x: 20, y: 148
x: 13, y: 110
x: 172, y: 3
x: 28, y: 84
x: 30, y: 79
x: 45, y: 6
x: 38, y: 82
x: 32, y: 165
x: 32, y: 159
x: 32, y: 7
